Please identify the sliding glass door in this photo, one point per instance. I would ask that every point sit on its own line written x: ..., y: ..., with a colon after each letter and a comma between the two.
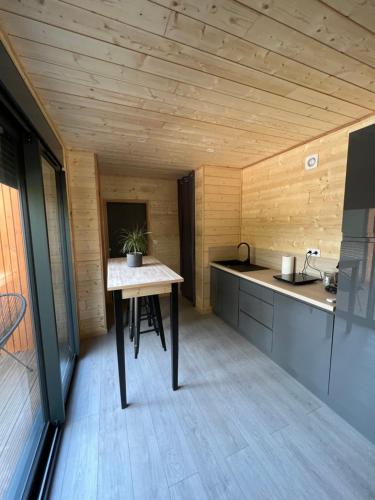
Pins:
x: 38, y: 321
x: 22, y: 416
x: 38, y: 324
x: 57, y: 252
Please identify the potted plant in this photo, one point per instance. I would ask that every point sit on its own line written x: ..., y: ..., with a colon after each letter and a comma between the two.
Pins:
x: 134, y: 245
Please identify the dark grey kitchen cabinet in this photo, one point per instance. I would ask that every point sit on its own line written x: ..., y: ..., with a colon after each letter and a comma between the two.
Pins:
x: 253, y: 306
x: 259, y: 291
x: 302, y: 339
x: 256, y: 315
x: 256, y: 332
x: 214, y: 295
x: 224, y: 295
x: 352, y: 381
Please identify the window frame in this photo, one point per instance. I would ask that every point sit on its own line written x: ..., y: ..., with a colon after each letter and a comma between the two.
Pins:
x: 39, y: 140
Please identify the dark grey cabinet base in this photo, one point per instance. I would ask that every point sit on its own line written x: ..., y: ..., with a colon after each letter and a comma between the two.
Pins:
x: 297, y: 336
x: 338, y: 368
x: 224, y: 296
x: 302, y: 340
x: 256, y: 315
x: 258, y: 334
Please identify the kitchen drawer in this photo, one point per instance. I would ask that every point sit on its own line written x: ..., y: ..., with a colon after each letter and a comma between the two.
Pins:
x: 261, y: 292
x: 258, y: 334
x: 258, y: 309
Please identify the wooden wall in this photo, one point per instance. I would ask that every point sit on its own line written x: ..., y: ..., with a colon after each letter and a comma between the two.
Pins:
x: 286, y: 209
x: 83, y: 190
x: 218, y: 208
x: 161, y: 198
x: 13, y: 268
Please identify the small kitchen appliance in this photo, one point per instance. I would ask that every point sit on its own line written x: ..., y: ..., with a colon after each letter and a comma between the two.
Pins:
x: 296, y: 278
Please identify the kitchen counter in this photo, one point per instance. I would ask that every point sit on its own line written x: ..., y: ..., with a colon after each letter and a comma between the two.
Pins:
x: 312, y: 293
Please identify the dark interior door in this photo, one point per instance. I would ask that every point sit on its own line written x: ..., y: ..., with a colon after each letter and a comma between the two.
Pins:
x: 123, y: 216
x: 186, y: 214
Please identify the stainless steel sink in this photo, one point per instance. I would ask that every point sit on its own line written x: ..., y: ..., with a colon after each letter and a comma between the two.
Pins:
x: 239, y: 265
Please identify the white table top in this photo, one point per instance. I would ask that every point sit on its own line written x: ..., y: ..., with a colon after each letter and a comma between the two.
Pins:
x: 151, y: 273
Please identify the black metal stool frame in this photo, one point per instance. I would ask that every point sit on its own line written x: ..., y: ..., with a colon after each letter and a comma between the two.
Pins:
x: 152, y: 315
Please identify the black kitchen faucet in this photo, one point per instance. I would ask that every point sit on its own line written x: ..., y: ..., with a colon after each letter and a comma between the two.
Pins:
x: 247, y: 260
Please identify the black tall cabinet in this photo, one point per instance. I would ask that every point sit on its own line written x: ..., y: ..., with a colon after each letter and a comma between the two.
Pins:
x: 352, y: 380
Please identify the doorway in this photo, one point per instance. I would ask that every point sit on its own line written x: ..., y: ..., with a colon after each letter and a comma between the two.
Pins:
x: 186, y: 216
x: 123, y: 216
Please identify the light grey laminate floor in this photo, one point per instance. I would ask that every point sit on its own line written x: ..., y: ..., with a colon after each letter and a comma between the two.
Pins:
x: 238, y: 428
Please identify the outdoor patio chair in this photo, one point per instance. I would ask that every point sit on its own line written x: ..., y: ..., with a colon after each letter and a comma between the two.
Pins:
x: 12, y: 311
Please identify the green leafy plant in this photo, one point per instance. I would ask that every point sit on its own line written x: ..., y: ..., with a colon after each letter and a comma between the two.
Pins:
x: 134, y: 241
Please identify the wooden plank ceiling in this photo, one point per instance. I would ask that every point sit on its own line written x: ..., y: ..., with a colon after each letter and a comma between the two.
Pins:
x: 170, y: 85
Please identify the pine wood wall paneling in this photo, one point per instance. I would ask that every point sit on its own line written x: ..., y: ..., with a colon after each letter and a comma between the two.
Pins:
x: 228, y: 16
x: 362, y: 12
x: 83, y: 183
x: 286, y: 209
x: 161, y: 198
x: 114, y: 168
x: 218, y: 207
x: 239, y: 86
x: 250, y: 20
x: 262, y: 103
x: 321, y: 23
x: 238, y: 64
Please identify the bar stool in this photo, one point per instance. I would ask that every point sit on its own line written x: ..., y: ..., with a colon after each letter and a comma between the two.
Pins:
x: 145, y: 309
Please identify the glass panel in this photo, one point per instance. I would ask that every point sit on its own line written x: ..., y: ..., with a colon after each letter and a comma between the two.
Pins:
x: 21, y: 416
x: 55, y: 243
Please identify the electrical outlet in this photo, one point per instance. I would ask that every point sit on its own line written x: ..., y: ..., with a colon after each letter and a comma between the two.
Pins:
x: 314, y: 252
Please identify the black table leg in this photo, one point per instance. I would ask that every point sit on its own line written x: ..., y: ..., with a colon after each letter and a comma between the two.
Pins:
x: 159, y: 320
x: 174, y: 335
x: 120, y: 345
x: 137, y: 325
x: 131, y: 319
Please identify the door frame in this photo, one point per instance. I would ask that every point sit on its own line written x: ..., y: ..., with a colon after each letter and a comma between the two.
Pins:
x: 105, y: 237
x: 38, y: 139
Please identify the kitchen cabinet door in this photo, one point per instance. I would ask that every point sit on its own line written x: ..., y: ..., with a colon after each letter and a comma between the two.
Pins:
x: 352, y: 381
x: 302, y: 340
x: 224, y: 296
x: 214, y: 295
